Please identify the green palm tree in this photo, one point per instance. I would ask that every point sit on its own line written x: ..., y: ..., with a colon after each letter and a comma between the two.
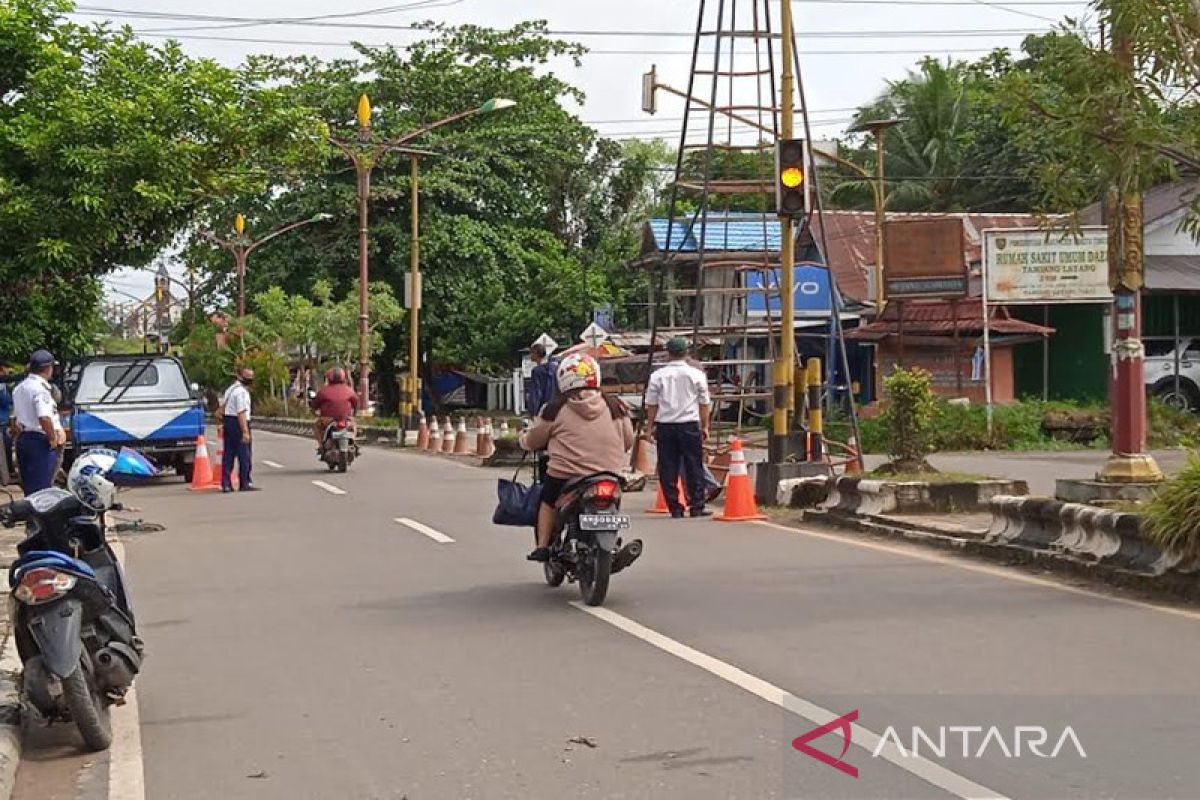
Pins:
x: 926, y: 153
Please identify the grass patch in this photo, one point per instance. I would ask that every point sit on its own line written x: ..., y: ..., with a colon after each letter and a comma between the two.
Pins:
x: 1173, y: 516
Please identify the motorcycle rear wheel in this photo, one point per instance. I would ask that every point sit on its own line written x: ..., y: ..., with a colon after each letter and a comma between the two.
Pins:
x: 89, y: 710
x: 593, y: 577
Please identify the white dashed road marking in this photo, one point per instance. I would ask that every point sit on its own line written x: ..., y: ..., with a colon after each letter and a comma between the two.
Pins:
x: 922, y: 768
x: 437, y: 536
x: 328, y: 487
x: 273, y: 464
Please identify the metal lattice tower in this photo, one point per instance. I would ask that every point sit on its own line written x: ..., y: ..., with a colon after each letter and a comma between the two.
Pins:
x: 721, y: 226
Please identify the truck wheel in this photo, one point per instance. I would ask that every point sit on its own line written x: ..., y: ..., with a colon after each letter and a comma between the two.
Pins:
x: 1184, y: 400
x: 186, y: 471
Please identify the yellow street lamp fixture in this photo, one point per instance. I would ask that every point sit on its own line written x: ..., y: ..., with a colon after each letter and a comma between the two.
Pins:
x: 241, y: 246
x: 365, y: 155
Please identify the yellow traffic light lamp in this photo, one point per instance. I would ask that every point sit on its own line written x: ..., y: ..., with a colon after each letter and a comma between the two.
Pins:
x: 791, y: 195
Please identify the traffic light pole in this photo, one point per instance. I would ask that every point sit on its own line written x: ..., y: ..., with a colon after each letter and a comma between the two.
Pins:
x: 785, y: 367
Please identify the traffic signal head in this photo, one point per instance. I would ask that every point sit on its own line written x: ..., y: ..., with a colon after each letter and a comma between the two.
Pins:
x: 791, y: 195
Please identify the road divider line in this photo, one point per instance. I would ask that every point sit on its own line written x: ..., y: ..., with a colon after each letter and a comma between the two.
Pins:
x: 126, y: 770
x: 437, y: 536
x: 273, y: 464
x: 328, y: 487
x: 928, y: 771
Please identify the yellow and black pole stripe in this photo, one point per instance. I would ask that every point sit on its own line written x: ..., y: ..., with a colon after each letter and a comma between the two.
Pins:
x: 816, y: 419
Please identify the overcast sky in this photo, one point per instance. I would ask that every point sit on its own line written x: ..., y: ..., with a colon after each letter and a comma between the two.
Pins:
x: 849, y: 48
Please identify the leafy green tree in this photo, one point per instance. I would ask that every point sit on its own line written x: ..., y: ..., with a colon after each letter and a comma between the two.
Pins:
x: 1122, y: 114
x: 525, y: 214
x: 108, y: 147
x: 961, y: 145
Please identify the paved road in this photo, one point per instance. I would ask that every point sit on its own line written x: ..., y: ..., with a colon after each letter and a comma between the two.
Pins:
x: 303, y: 644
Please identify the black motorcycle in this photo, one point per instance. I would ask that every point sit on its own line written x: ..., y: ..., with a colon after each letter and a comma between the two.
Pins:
x: 71, y: 615
x: 338, y: 446
x: 587, y: 546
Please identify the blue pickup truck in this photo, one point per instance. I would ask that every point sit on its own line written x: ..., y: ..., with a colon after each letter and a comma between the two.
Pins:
x: 142, y: 402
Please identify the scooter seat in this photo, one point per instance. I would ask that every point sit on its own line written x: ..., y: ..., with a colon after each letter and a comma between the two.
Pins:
x: 49, y: 559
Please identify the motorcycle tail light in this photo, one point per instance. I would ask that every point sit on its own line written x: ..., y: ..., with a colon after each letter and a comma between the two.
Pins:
x: 342, y: 424
x: 43, y: 585
x: 603, y: 493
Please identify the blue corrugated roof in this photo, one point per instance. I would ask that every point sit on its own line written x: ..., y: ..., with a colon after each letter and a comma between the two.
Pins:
x: 752, y: 233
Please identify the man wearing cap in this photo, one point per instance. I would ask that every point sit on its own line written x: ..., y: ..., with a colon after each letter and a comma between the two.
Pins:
x: 677, y: 412
x: 235, y: 419
x: 39, y: 430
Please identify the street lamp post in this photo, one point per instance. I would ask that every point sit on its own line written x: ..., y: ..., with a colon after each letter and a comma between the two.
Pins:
x: 877, y: 128
x: 242, y: 246
x: 365, y: 154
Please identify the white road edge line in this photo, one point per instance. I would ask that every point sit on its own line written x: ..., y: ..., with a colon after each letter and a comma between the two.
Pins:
x: 1007, y: 573
x: 273, y: 464
x: 126, y: 773
x: 437, y: 536
x: 328, y: 487
x: 922, y: 768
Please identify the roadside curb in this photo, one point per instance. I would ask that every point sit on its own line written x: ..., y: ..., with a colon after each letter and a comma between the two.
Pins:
x: 11, y: 714
x: 1171, y: 585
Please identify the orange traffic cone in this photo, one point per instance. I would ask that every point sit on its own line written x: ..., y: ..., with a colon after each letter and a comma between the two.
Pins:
x: 461, y: 440
x: 434, y: 443
x: 202, y: 469
x: 448, y: 437
x: 489, y: 439
x: 423, y: 433
x: 641, y: 457
x: 480, y: 433
x: 740, y: 505
x: 660, y: 501
x: 854, y: 466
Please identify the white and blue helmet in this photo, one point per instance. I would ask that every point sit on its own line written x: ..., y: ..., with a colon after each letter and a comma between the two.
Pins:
x: 89, y: 481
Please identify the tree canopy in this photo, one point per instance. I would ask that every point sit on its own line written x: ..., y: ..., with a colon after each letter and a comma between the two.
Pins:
x: 108, y: 148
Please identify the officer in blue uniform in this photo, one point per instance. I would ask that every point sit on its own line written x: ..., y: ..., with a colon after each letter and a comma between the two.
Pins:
x: 39, y: 430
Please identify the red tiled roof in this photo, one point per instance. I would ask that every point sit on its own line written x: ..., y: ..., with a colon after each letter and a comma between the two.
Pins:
x: 939, y: 317
x: 851, y: 238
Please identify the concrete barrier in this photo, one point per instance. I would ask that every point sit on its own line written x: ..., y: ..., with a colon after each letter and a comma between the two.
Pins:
x: 871, y: 497
x: 1085, y: 532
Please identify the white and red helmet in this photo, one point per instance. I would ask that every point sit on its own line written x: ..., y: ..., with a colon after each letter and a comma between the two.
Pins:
x: 579, y: 371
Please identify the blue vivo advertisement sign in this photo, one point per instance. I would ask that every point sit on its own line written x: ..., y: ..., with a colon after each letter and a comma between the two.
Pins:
x: 813, y: 295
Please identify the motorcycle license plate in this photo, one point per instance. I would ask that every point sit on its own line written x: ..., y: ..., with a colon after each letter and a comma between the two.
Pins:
x: 341, y: 434
x: 603, y: 522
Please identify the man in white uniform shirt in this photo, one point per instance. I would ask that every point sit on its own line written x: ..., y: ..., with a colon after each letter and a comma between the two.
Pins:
x: 39, y: 429
x: 677, y: 411
x: 235, y: 413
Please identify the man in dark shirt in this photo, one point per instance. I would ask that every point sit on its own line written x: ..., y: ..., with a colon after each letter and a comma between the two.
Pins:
x: 543, y: 380
x: 336, y: 401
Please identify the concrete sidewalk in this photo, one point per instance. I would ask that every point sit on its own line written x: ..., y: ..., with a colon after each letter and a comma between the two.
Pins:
x: 1039, y: 468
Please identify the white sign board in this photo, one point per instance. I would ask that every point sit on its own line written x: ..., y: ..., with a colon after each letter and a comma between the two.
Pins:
x: 547, y: 342
x: 1036, y: 266
x: 594, y: 335
x: 408, y: 285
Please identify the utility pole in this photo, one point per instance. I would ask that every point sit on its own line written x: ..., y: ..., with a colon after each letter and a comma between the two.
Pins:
x: 411, y: 405
x: 785, y: 367
x: 161, y: 293
x: 1129, y: 462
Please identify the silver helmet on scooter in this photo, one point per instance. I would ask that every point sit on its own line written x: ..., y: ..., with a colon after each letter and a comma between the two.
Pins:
x: 88, y: 479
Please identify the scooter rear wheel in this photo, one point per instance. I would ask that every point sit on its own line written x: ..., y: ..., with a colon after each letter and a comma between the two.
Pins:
x: 89, y: 710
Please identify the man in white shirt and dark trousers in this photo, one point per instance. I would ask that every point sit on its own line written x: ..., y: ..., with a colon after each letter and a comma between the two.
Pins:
x: 677, y: 412
x: 235, y: 412
x: 39, y: 429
